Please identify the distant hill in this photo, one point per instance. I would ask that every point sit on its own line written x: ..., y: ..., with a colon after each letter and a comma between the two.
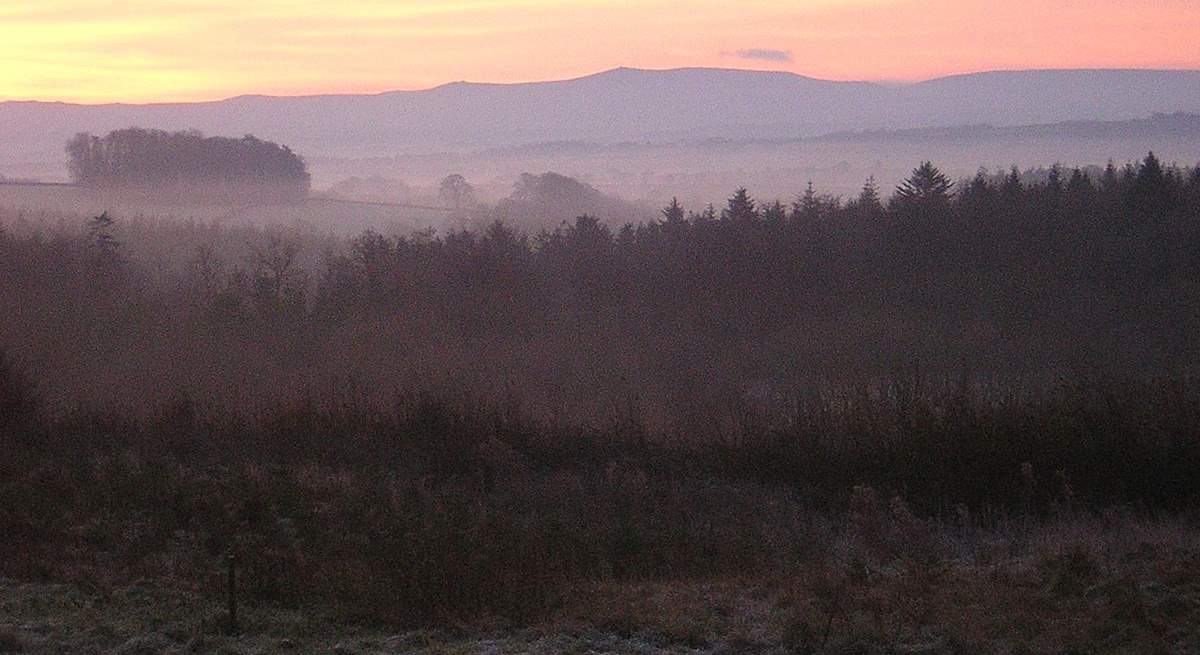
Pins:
x: 621, y: 105
x: 631, y: 104
x: 1183, y: 125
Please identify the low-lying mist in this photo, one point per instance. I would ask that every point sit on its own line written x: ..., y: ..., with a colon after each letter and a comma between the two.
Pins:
x: 1000, y: 277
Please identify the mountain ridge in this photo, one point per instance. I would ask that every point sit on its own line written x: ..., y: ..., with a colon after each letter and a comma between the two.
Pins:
x: 617, y: 105
x: 887, y: 84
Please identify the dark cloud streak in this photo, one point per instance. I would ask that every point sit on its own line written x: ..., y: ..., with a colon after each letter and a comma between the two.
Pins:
x: 764, y: 54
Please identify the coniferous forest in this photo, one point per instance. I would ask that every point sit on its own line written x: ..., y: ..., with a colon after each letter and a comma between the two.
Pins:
x: 957, y: 413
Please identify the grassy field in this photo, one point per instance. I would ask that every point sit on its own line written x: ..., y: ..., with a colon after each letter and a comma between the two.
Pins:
x: 318, y: 214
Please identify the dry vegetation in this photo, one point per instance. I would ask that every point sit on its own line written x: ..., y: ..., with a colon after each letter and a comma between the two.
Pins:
x: 630, y: 442
x: 1105, y: 584
x: 960, y: 535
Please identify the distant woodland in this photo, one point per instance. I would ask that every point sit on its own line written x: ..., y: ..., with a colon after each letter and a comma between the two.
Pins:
x: 1000, y: 275
x: 137, y: 159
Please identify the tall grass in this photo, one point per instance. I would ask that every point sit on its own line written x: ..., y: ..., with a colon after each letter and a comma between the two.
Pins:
x: 438, y: 509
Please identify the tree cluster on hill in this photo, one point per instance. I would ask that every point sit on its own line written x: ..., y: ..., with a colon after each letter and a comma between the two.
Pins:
x: 187, y: 162
x: 543, y: 201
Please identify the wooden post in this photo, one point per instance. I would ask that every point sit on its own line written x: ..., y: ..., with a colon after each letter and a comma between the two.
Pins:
x: 231, y: 566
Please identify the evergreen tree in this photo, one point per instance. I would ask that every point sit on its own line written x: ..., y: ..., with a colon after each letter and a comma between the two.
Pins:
x: 674, y: 220
x: 741, y: 207
x: 926, y: 187
x: 775, y: 213
x: 1151, y: 192
x: 1012, y: 186
x: 808, y: 205
x: 1054, y: 180
x: 1080, y: 182
x: 673, y: 213
x: 708, y: 215
x: 106, y: 270
x: 978, y: 189
x: 1108, y: 181
x: 868, y: 198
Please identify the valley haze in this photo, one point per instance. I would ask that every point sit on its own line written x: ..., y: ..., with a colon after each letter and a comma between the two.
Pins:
x: 649, y: 134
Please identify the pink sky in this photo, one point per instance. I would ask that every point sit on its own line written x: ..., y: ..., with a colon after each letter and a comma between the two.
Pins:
x: 148, y: 50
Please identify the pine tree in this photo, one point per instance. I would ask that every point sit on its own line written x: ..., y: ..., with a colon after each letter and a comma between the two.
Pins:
x: 927, y: 186
x: 741, y: 207
x: 1054, y: 179
x: 1080, y: 182
x: 104, y: 260
x: 1150, y: 175
x: 1152, y: 191
x: 775, y: 213
x: 707, y: 216
x: 673, y: 213
x: 1108, y: 181
x: 1012, y: 186
x: 868, y: 198
x: 808, y: 206
x: 674, y: 219
x: 979, y: 189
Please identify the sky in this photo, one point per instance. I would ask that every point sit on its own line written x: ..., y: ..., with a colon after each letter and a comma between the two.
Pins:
x: 97, y: 51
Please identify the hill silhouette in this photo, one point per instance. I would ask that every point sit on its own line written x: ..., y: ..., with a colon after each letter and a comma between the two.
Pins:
x: 619, y: 105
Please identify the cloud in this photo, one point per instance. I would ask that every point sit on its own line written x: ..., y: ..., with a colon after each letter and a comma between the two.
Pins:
x: 764, y: 54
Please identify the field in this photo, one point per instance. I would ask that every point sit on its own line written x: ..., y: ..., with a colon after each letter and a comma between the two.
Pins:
x: 1111, y: 584
x: 318, y: 215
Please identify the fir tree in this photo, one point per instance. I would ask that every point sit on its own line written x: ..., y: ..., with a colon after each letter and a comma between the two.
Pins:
x: 673, y: 213
x: 868, y: 198
x: 927, y: 186
x: 741, y: 207
x: 775, y: 213
x: 808, y: 206
x: 1080, y: 182
x: 1152, y: 191
x: 1012, y: 186
x: 979, y: 188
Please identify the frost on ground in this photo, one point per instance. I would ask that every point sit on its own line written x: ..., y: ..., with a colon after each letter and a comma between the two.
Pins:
x: 1075, y: 591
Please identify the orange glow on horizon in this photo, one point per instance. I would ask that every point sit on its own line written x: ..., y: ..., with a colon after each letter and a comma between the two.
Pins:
x: 149, y: 50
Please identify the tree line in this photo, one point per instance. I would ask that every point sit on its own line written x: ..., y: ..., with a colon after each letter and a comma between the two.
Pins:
x: 188, y: 162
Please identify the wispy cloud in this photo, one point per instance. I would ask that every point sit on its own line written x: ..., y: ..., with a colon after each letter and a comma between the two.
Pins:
x: 764, y: 54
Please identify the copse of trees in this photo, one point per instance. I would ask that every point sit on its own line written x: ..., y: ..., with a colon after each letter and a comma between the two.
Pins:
x: 137, y: 159
x: 544, y: 201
